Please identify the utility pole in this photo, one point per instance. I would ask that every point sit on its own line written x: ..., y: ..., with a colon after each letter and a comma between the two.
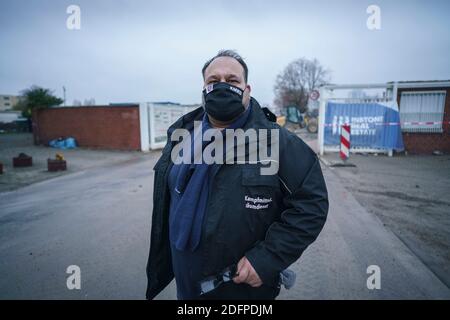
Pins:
x: 64, y: 91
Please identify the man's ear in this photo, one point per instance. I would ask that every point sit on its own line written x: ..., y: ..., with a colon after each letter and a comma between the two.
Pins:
x: 246, y: 97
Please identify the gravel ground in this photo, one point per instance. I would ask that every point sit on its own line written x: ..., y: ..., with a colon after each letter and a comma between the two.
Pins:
x: 12, y: 144
x: 408, y: 193
x: 99, y: 219
x: 410, y: 196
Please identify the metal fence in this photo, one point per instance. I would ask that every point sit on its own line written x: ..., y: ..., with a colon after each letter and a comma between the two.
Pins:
x: 422, y: 111
x: 327, y: 95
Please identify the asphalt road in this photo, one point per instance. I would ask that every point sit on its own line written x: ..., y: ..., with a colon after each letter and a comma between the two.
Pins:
x: 99, y: 220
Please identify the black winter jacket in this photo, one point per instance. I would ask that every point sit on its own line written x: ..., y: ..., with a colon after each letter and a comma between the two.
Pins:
x: 271, y: 238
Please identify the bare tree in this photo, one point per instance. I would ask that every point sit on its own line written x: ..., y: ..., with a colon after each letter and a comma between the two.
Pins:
x: 294, y: 84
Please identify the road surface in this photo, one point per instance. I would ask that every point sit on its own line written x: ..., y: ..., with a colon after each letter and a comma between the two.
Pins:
x: 99, y: 219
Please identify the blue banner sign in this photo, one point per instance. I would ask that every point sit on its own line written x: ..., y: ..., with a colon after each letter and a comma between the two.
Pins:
x: 372, y: 125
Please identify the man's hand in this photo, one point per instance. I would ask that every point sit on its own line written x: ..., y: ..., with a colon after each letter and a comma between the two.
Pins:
x: 246, y: 274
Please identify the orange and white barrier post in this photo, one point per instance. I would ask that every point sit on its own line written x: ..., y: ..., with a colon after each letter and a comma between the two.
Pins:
x: 345, y: 142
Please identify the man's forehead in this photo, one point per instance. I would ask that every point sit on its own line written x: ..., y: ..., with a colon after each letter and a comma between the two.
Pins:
x: 224, y: 66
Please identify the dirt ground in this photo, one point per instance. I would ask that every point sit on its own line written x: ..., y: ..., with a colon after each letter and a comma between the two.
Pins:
x: 11, y: 144
x: 410, y: 194
x: 99, y: 219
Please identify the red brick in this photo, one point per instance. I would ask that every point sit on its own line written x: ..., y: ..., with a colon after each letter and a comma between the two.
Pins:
x: 105, y: 127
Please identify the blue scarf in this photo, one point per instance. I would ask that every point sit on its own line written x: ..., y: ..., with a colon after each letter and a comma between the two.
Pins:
x: 191, y: 188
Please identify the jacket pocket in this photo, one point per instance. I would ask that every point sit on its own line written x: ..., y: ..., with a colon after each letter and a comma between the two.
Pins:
x: 260, y: 191
x: 259, y: 200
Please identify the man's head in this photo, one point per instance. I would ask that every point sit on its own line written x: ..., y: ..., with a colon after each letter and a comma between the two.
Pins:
x: 229, y: 59
x: 229, y: 67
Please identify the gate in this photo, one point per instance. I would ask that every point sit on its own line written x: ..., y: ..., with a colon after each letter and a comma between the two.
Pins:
x: 369, y: 127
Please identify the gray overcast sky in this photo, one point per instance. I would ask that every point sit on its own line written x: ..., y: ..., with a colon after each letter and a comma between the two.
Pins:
x: 154, y: 50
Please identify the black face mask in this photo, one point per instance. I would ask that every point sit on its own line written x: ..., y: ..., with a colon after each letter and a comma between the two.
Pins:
x: 223, y: 101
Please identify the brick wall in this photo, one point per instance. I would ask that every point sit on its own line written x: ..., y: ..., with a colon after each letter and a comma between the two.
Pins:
x: 426, y: 143
x: 105, y: 127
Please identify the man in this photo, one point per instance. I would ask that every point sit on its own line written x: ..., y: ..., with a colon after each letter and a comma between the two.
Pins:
x: 217, y: 222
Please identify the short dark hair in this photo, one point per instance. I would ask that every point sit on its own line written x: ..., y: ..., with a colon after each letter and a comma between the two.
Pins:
x: 228, y: 53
